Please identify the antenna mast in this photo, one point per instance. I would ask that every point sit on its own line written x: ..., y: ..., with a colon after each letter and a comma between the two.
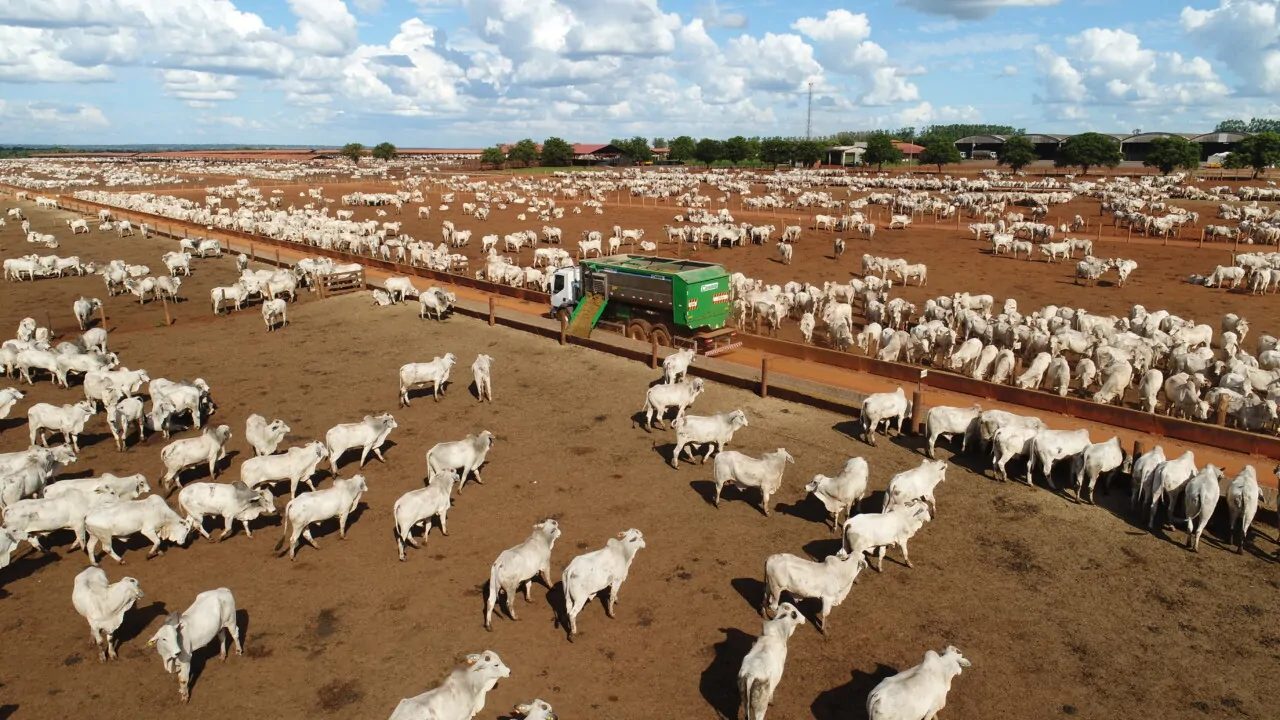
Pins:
x: 808, y: 122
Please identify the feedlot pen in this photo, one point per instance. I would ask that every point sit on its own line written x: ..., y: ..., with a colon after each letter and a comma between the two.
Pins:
x: 1065, y: 610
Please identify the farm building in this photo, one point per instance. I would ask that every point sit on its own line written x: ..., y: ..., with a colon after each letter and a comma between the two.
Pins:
x: 1134, y: 146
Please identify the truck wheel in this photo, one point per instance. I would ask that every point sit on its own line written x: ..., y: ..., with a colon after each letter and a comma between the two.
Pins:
x: 661, y: 335
x: 638, y: 330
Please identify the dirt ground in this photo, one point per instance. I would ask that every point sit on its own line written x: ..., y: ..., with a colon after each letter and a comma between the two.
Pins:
x: 1064, y: 610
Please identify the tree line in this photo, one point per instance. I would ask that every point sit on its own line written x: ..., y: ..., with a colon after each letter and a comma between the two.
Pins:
x: 354, y: 151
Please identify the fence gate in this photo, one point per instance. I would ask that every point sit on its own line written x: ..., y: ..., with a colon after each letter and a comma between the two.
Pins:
x: 341, y: 283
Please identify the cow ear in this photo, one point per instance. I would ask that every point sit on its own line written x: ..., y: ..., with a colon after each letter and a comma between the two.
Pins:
x: 472, y: 660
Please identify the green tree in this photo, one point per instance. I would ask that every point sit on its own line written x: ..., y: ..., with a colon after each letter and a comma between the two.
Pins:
x: 1016, y: 153
x: 808, y: 152
x: 1169, y: 153
x: 708, y: 150
x: 1259, y: 152
x: 1261, y: 125
x: 736, y: 149
x: 524, y: 152
x: 636, y: 149
x: 384, y: 151
x: 660, y: 142
x: 1089, y: 150
x: 556, y: 153
x: 776, y: 150
x: 493, y: 156
x: 940, y: 151
x: 1232, y: 126
x: 682, y: 149
x: 881, y: 151
x: 352, y: 151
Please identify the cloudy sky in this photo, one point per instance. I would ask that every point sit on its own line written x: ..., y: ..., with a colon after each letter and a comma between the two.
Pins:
x: 450, y: 73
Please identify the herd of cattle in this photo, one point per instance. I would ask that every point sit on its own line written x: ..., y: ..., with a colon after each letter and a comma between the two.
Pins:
x: 957, y: 331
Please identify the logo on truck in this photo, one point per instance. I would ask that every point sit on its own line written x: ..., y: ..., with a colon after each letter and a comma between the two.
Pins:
x: 708, y: 287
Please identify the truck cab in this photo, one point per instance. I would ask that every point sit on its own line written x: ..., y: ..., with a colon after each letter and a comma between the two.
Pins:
x: 566, y: 289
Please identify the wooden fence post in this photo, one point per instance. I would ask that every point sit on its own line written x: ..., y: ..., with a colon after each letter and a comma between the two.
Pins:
x: 653, y: 352
x: 102, y: 314
x: 564, y: 329
x: 764, y: 376
x: 165, y: 303
x: 1220, y: 416
x: 491, y: 311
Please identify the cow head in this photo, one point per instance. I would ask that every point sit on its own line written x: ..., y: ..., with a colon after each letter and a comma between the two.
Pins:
x: 549, y: 528
x: 536, y: 710
x: 488, y: 665
x: 168, y: 643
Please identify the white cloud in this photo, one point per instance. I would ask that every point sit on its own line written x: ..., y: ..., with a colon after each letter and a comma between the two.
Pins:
x: 29, y: 55
x: 925, y: 114
x: 1009, y: 71
x: 232, y: 121
x: 776, y: 63
x: 715, y: 16
x: 50, y: 116
x: 325, y: 27
x: 971, y: 9
x: 1245, y: 35
x: 843, y: 46
x: 837, y: 26
x: 1103, y: 66
x: 369, y: 7
x: 195, y: 87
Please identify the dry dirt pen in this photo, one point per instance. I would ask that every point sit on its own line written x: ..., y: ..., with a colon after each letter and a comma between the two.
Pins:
x: 1065, y: 610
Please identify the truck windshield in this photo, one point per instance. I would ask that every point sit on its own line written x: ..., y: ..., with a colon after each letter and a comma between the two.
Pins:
x: 557, y: 285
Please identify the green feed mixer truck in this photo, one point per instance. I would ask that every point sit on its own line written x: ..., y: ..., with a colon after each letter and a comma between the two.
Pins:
x: 673, y: 302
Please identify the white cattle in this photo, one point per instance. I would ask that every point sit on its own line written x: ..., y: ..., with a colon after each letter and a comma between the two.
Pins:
x: 535, y: 710
x: 592, y: 573
x: 481, y: 375
x: 400, y: 288
x: 883, y: 407
x: 127, y: 487
x: 149, y: 516
x: 841, y: 492
x: 419, y: 506
x: 183, y: 397
x: 942, y: 421
x: 713, y: 431
x: 35, y: 517
x: 233, y: 502
x: 177, y: 262
x: 235, y: 294
x: 917, y: 483
x: 434, y: 373
x: 785, y: 252
x: 518, y: 566
x: 1033, y: 376
x: 829, y: 581
x: 103, y: 605
x: 463, y: 456
x: 877, y: 531
x: 1200, y: 498
x: 1104, y: 458
x: 83, y: 309
x: 762, y: 667
x: 1050, y: 446
x: 1144, y: 468
x: 461, y: 696
x: 8, y: 398
x: 434, y: 301
x: 1243, y: 497
x: 368, y: 434
x: 917, y: 693
x: 676, y: 365
x: 181, y: 454
x: 731, y: 466
x: 212, y: 612
x: 338, y: 501
x: 661, y: 398
x: 1149, y: 389
x: 297, y: 464
x: 263, y: 436
x: 66, y: 420
x: 1168, y: 480
x: 275, y: 312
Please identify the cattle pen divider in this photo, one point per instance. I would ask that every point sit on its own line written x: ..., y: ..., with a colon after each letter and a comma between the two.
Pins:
x: 767, y: 380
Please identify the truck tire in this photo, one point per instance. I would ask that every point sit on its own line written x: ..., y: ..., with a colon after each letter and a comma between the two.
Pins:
x: 661, y: 335
x: 638, y: 330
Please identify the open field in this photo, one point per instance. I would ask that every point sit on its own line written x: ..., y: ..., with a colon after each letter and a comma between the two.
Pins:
x: 1065, y: 610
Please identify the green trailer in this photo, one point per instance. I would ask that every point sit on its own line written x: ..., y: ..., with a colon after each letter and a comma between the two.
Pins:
x: 671, y: 301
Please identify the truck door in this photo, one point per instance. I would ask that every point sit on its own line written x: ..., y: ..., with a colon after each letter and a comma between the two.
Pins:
x: 600, y: 284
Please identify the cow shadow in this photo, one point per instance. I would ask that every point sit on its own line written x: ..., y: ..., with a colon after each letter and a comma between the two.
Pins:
x: 137, y: 620
x: 353, y: 456
x: 87, y: 440
x: 325, y: 528
x: 503, y: 602
x: 751, y: 590
x: 719, y: 681
x: 242, y: 626
x: 11, y: 423
x: 821, y: 549
x: 7, y: 711
x: 427, y: 392
x: 200, y: 470
x: 851, y: 429
x: 806, y: 508
x: 849, y: 701
x: 27, y: 565
x: 706, y: 490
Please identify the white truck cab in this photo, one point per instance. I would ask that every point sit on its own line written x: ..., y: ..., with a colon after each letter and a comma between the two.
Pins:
x: 566, y: 288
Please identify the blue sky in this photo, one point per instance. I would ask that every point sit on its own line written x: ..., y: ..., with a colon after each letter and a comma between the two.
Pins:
x: 455, y: 73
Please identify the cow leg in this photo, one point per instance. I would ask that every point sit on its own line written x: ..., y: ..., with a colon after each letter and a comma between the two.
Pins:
x: 444, y: 522
x: 247, y: 531
x: 475, y: 471
x: 613, y: 598
x: 228, y: 528
x: 155, y: 542
x: 905, y: 556
x: 342, y: 526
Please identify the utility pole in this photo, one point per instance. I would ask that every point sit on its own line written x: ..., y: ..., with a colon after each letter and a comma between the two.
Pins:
x: 808, y: 122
